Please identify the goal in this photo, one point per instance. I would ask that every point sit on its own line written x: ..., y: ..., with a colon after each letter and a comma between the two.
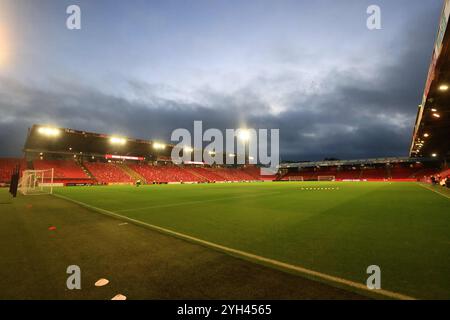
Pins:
x: 35, y: 182
x: 296, y: 178
x: 326, y: 178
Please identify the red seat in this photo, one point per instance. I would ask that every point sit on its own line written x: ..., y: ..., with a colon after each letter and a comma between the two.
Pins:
x: 107, y: 173
x: 7, y: 166
x: 62, y: 169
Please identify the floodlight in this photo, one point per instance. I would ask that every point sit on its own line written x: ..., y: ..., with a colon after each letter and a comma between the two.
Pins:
x: 436, y: 115
x: 244, y: 135
x: 117, y: 140
x: 443, y: 87
x: 434, y: 155
x: 433, y: 109
x: 159, y: 146
x: 211, y: 153
x: 426, y: 135
x: 188, y: 149
x: 231, y: 155
x: 49, y: 132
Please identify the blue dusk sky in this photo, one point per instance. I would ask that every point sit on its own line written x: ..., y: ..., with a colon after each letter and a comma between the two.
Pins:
x: 312, y: 69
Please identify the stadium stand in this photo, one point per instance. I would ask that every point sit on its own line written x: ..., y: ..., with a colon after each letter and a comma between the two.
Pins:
x: 7, y: 165
x: 402, y: 173
x: 106, y: 173
x: 231, y: 174
x: 65, y: 171
x: 350, y: 173
x: 255, y: 174
x: 374, y: 173
x: 444, y: 173
x: 208, y: 174
x: 164, y: 174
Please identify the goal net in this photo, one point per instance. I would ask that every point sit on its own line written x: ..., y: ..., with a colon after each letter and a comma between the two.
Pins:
x: 296, y: 178
x: 35, y: 182
x: 326, y: 178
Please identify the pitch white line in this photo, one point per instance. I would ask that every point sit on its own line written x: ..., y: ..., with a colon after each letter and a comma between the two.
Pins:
x: 178, y: 204
x: 249, y: 256
x: 442, y: 194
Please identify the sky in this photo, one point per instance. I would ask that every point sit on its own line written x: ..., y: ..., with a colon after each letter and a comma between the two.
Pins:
x: 142, y: 69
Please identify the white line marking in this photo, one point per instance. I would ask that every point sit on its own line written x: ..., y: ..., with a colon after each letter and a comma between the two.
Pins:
x: 197, y: 202
x: 442, y: 194
x: 247, y: 255
x: 122, y: 224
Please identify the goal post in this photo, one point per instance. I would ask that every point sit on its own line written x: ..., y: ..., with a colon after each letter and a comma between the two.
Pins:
x: 36, y: 182
x: 326, y: 178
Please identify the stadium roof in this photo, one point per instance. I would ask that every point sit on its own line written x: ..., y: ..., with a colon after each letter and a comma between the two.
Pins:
x: 356, y: 162
x: 49, y: 139
x: 431, y: 136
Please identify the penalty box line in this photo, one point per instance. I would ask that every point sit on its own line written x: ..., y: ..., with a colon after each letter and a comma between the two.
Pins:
x: 247, y: 255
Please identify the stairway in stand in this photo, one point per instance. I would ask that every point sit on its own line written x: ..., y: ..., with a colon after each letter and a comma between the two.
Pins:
x: 133, y: 174
x: 202, y: 178
x: 89, y: 174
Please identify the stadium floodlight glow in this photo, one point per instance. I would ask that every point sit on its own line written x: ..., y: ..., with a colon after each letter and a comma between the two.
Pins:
x: 251, y: 158
x: 243, y: 135
x: 211, y: 153
x: 117, y: 140
x: 231, y: 155
x: 49, y: 132
x: 443, y: 87
x: 426, y: 135
x: 436, y: 115
x: 188, y: 149
x: 434, y: 155
x: 159, y: 146
x: 433, y: 109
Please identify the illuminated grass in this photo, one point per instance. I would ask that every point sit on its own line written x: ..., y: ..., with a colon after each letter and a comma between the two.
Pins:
x: 402, y: 227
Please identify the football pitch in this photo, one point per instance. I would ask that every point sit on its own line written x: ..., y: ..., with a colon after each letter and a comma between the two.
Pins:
x: 329, y: 232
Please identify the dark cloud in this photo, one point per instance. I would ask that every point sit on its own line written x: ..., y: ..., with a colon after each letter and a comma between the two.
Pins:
x: 354, y: 117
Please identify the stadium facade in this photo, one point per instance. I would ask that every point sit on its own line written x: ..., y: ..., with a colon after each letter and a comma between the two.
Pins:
x: 431, y: 135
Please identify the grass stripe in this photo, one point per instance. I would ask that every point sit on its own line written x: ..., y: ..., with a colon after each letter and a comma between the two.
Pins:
x: 178, y: 204
x: 250, y: 256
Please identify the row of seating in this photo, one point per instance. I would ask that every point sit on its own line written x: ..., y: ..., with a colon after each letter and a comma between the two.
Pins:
x: 62, y: 169
x: 67, y: 171
x: 106, y: 173
x: 189, y: 174
x: 164, y: 173
x: 364, y: 173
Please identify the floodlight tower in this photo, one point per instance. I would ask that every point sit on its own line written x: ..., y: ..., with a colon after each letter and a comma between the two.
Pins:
x: 157, y: 147
x: 244, y: 136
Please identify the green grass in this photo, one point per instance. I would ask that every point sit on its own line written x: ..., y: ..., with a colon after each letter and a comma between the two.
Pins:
x: 138, y: 262
x: 401, y: 227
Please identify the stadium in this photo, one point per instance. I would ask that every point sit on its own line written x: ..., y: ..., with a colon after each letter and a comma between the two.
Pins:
x: 141, y: 227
